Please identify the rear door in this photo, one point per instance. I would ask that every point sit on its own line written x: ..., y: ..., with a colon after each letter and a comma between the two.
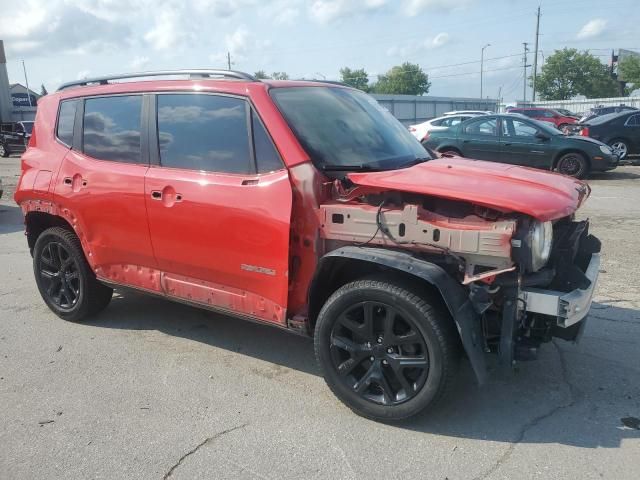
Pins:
x: 632, y: 133
x: 521, y: 146
x: 101, y: 182
x: 479, y: 139
x: 219, y: 204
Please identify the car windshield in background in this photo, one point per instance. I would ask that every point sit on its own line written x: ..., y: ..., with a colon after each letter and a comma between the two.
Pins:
x: 342, y: 128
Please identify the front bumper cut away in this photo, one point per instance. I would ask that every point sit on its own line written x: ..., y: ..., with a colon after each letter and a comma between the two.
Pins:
x: 568, y: 308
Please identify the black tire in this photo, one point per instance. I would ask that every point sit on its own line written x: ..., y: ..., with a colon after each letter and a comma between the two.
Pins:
x: 573, y: 164
x: 4, y: 151
x: 426, y: 339
x: 620, y: 147
x: 65, y: 280
x: 451, y: 151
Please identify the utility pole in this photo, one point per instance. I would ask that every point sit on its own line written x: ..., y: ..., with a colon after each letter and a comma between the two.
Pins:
x: 524, y: 85
x: 535, y: 58
x: 24, y: 69
x: 499, y: 99
x: 228, y: 61
x: 482, y: 65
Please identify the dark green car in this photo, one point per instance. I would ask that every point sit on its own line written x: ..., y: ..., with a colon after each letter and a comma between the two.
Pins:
x: 516, y: 139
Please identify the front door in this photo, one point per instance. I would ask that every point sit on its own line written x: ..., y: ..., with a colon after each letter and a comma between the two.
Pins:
x: 101, y: 184
x: 219, y: 221
x: 479, y: 139
x: 521, y: 144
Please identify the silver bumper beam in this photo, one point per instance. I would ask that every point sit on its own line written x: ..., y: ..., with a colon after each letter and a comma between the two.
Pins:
x: 568, y: 307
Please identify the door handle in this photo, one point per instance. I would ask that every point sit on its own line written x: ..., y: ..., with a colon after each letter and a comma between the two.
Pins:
x: 466, y: 141
x: 507, y: 144
x: 156, y: 194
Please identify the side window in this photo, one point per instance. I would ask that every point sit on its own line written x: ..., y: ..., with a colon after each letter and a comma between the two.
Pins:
x: 111, y: 128
x: 66, y: 120
x: 204, y: 132
x: 633, y: 121
x: 547, y: 114
x: 530, y: 113
x: 439, y: 123
x: 516, y: 128
x: 482, y: 127
x: 267, y: 158
x: 456, y: 121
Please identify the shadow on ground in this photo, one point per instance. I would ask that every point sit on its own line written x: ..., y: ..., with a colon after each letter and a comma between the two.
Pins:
x: 566, y: 390
x: 614, y: 175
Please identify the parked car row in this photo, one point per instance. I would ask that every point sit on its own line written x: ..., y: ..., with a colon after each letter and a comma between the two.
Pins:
x: 519, y: 140
x: 14, y: 137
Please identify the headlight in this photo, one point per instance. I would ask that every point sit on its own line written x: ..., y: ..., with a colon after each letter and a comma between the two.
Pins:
x: 541, y: 235
x: 606, y: 149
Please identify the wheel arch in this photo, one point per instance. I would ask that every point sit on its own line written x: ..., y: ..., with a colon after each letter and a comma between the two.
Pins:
x: 349, y: 263
x: 448, y: 148
x: 37, y: 222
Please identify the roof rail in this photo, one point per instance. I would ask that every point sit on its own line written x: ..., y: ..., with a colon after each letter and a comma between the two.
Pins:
x: 202, y: 73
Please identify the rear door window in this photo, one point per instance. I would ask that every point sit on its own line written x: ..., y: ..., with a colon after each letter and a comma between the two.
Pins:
x: 267, y: 157
x: 204, y: 132
x: 482, y: 127
x: 66, y: 121
x: 111, y: 128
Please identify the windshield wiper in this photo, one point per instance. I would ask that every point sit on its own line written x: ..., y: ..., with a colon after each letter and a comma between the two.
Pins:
x: 348, y: 168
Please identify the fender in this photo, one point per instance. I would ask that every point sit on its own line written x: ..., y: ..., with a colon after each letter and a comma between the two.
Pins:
x: 454, y: 295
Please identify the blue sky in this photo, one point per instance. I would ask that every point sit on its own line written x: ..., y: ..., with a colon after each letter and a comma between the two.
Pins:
x: 63, y: 40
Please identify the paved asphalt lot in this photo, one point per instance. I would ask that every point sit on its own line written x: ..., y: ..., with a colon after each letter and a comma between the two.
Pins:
x: 151, y: 389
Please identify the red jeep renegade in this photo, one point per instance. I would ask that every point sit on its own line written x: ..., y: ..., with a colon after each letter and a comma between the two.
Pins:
x: 307, y: 206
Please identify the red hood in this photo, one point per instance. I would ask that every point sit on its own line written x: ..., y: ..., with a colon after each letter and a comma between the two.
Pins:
x: 542, y: 195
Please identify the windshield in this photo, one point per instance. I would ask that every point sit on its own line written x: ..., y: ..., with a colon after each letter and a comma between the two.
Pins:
x: 28, y: 126
x: 341, y: 127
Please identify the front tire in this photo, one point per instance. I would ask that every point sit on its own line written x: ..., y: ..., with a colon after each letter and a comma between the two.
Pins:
x: 384, y: 351
x: 4, y: 152
x: 64, y: 278
x: 573, y: 164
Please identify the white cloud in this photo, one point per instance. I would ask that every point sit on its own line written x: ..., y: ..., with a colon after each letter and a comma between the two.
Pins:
x: 440, y: 40
x: 591, y: 29
x: 327, y: 11
x: 416, y: 7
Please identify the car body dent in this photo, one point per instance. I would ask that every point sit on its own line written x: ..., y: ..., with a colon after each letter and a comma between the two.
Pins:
x: 542, y: 195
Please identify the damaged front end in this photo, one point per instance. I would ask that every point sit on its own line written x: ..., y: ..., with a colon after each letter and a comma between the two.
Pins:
x: 509, y: 281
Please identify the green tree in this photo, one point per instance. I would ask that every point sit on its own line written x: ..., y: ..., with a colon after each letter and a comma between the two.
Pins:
x: 629, y: 71
x: 261, y: 75
x: 280, y: 76
x: 43, y: 90
x: 568, y: 73
x: 405, y: 79
x: 355, y: 78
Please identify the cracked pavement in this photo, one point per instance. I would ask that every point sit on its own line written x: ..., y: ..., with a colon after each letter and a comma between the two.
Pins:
x: 152, y: 389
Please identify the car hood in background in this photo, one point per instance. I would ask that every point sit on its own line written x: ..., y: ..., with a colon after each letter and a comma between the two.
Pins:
x: 508, y: 188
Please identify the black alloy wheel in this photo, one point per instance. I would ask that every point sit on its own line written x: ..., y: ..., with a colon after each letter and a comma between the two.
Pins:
x: 60, y: 275
x: 386, y: 348
x: 64, y: 278
x: 573, y: 164
x: 379, y: 353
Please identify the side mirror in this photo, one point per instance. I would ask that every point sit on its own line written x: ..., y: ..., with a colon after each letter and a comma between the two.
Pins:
x: 542, y: 136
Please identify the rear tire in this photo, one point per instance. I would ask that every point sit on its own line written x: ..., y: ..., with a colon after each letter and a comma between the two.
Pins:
x: 384, y: 351
x: 64, y: 278
x: 620, y: 147
x: 573, y: 164
x: 4, y: 152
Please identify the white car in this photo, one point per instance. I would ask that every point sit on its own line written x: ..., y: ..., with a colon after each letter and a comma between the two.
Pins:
x: 421, y: 129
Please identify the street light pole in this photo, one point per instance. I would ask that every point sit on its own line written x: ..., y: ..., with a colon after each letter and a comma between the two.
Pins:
x: 482, y: 66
